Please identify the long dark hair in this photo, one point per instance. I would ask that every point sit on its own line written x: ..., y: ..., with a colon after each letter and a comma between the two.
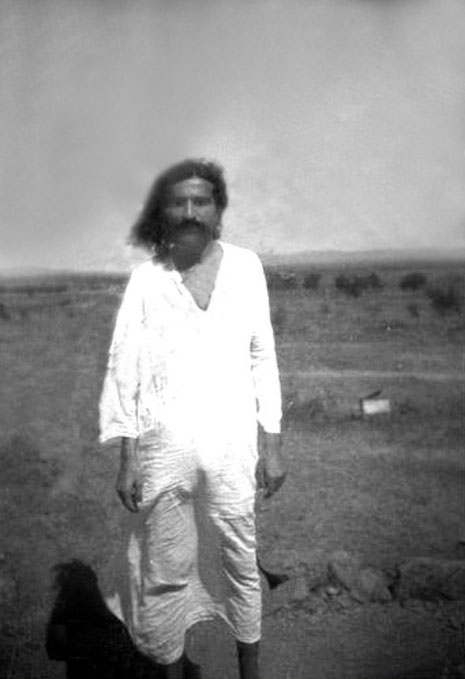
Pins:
x: 148, y: 229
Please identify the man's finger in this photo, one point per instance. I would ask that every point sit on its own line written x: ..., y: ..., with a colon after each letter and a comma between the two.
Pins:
x: 131, y: 504
x: 138, y: 492
x: 129, y: 500
x: 260, y: 474
x: 124, y: 499
x: 135, y: 499
x: 273, y: 485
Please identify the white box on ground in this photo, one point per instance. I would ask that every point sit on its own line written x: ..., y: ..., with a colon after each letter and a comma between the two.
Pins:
x: 376, y: 406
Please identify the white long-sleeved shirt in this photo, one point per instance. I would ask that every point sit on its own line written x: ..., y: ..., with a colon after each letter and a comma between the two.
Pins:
x: 184, y: 371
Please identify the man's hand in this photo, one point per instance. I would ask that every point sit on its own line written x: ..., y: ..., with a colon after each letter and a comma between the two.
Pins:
x: 271, y: 469
x: 129, y: 481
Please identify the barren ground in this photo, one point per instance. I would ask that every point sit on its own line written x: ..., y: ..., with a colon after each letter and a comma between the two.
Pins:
x: 384, y: 488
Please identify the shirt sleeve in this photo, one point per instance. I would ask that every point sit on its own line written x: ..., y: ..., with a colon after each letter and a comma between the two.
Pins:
x: 263, y: 356
x: 118, y: 402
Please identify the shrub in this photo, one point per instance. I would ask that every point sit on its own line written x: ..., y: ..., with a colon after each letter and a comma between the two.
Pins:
x: 281, y: 280
x: 373, y: 282
x: 446, y: 299
x: 311, y: 280
x: 350, y: 286
x: 355, y: 285
x: 413, y: 281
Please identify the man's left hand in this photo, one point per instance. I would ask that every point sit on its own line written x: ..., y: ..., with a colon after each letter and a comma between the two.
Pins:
x: 271, y: 468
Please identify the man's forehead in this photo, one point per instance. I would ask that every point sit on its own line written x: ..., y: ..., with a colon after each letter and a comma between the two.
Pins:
x: 191, y: 185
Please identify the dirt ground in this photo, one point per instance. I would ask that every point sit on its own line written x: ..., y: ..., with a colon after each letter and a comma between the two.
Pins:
x: 386, y: 488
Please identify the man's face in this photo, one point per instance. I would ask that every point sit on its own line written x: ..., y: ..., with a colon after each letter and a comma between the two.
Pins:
x: 192, y: 218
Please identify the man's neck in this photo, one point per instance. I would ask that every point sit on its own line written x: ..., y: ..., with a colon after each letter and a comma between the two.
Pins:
x: 200, y: 279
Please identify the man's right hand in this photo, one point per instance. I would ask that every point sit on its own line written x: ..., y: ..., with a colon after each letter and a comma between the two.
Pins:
x: 271, y: 468
x: 129, y: 481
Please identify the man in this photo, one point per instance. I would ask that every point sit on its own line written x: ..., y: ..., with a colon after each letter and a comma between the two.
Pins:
x: 192, y: 368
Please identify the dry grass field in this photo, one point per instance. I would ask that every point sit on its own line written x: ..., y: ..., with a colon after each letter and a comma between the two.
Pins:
x: 385, y: 488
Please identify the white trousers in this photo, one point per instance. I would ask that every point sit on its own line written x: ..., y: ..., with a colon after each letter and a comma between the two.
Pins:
x: 191, y: 553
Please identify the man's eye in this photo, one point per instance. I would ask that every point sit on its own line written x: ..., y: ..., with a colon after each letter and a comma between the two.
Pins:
x: 175, y: 203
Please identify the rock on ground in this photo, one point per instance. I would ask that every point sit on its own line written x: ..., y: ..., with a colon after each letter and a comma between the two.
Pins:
x: 371, y: 585
x: 433, y: 579
x: 292, y: 562
x: 344, y: 568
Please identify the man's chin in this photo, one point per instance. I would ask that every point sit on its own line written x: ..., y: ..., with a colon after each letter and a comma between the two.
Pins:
x: 188, y: 250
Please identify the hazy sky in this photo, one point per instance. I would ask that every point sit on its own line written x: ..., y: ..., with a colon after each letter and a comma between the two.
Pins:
x: 340, y: 123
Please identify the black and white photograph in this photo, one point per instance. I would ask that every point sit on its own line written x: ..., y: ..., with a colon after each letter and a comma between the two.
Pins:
x: 232, y: 339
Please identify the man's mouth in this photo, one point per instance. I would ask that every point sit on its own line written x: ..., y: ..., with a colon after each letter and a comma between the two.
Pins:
x: 190, y: 224
x: 190, y: 231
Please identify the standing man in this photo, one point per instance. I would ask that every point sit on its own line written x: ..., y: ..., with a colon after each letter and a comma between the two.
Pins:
x: 192, y: 368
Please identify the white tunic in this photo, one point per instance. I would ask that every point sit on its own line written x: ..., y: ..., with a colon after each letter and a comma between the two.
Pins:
x: 190, y: 385
x: 190, y: 372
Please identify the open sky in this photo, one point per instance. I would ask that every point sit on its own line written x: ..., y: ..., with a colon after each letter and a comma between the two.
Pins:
x: 340, y: 123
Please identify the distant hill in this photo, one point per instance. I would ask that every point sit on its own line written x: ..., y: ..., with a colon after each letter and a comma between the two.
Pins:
x: 19, y: 273
x: 26, y: 272
x: 295, y: 259
x: 334, y: 257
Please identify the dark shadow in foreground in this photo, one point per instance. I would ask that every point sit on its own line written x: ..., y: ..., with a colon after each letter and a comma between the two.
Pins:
x: 86, y: 635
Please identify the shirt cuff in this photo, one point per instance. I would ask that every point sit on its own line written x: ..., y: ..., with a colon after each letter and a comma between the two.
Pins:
x: 271, y: 426
x: 117, y: 433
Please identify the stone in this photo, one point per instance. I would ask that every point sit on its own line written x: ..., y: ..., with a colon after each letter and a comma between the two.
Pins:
x: 343, y: 569
x: 343, y: 601
x: 332, y: 590
x: 281, y: 596
x: 315, y: 604
x: 280, y: 560
x: 371, y: 585
x: 293, y: 562
x: 300, y: 589
x: 431, y: 579
x: 314, y: 562
x: 293, y: 591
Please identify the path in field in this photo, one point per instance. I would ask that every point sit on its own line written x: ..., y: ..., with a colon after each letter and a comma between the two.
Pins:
x: 85, y: 366
x: 427, y: 375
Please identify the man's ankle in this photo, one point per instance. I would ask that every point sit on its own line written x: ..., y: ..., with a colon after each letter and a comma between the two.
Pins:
x: 174, y: 670
x: 183, y: 668
x: 248, y: 659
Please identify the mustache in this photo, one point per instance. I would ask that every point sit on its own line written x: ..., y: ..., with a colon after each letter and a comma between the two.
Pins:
x: 190, y: 228
x: 189, y: 223
x: 184, y: 226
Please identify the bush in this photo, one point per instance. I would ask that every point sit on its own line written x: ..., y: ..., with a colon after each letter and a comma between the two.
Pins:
x: 352, y: 286
x: 413, y: 281
x: 446, y: 299
x: 311, y: 281
x: 281, y: 281
x: 347, y: 285
x: 355, y: 285
x: 373, y: 282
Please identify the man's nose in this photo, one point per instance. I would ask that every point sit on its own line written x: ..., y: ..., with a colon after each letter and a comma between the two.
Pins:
x: 190, y: 209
